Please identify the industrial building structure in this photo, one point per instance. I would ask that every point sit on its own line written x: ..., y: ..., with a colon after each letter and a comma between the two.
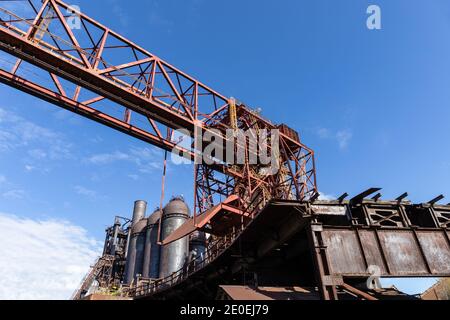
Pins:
x: 439, y: 291
x: 306, y: 250
x: 247, y: 234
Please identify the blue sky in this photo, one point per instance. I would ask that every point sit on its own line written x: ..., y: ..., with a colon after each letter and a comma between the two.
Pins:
x: 372, y: 104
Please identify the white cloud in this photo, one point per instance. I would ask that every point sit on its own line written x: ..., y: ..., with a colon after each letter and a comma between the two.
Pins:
x: 85, y: 192
x: 37, y: 154
x: 106, y: 158
x: 10, y: 191
x: 146, y: 159
x: 342, y: 137
x: 67, y: 117
x: 43, y: 259
x: 96, y: 139
x: 29, y: 168
x: 17, y: 132
x: 14, y: 194
x: 326, y: 197
x: 323, y: 133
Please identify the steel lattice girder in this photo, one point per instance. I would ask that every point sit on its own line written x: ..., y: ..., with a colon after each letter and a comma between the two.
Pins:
x: 141, y: 82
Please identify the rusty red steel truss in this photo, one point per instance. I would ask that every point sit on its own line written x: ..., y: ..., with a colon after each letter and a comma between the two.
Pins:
x: 94, y: 71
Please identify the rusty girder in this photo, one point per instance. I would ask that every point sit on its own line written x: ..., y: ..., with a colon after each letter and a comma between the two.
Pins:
x: 104, y: 69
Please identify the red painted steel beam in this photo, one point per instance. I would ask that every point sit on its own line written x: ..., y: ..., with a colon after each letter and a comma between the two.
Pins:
x: 19, y: 44
x: 147, y: 85
x: 88, y: 112
x: 85, y: 110
x: 142, y: 50
x: 28, y: 51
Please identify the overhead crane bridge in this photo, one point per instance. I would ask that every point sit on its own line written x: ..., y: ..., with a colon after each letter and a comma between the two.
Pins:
x: 93, y: 71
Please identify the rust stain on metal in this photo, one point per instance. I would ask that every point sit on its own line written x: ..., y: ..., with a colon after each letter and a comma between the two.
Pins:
x: 436, y: 250
x: 402, y: 253
x: 343, y: 252
x: 372, y: 250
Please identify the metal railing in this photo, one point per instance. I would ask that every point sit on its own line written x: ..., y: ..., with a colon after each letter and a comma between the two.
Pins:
x: 212, y: 252
x: 148, y: 287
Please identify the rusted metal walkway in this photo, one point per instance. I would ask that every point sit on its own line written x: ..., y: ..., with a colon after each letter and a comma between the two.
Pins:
x: 323, y: 244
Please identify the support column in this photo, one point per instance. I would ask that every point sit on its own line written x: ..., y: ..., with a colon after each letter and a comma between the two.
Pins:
x: 324, y: 279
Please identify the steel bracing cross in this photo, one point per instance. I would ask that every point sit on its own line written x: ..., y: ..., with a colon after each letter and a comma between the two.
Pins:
x: 86, y: 68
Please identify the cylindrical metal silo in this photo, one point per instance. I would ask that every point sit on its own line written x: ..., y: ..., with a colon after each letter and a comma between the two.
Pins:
x: 136, y: 243
x: 135, y: 258
x: 197, y: 246
x: 140, y: 208
x: 174, y: 255
x: 152, y: 249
